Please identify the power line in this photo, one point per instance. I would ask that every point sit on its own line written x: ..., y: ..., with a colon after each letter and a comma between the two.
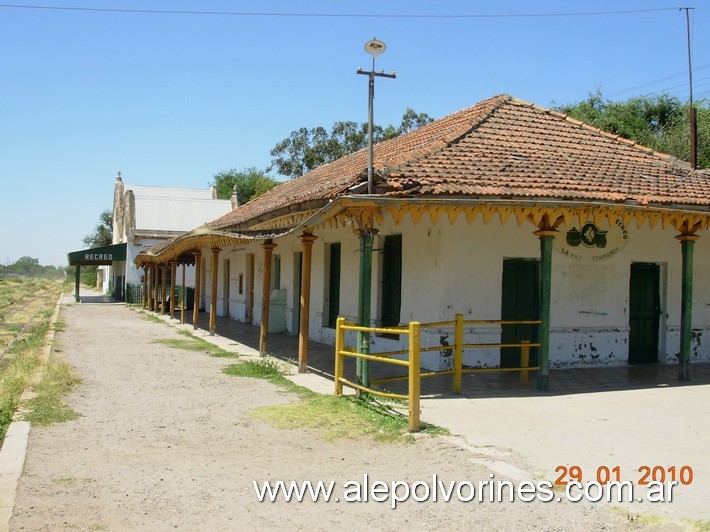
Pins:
x: 329, y: 15
x: 656, y: 81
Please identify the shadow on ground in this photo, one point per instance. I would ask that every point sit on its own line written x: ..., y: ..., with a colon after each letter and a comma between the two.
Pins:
x: 474, y: 385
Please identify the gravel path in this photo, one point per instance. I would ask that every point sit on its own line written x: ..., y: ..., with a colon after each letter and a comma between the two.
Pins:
x: 165, y: 441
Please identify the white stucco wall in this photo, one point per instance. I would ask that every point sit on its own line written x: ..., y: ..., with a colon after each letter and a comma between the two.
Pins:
x: 449, y: 269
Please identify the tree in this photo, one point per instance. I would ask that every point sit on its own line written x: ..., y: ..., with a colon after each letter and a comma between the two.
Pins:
x: 251, y: 183
x: 411, y: 121
x: 306, y: 149
x: 659, y: 122
x: 103, y: 232
x: 30, y: 267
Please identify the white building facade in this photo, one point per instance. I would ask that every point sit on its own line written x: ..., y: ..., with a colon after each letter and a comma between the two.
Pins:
x: 505, y: 211
x: 144, y: 216
x: 461, y: 268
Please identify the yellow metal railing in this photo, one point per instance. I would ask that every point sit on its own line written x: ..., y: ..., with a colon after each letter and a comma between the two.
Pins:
x: 413, y: 361
x: 412, y: 364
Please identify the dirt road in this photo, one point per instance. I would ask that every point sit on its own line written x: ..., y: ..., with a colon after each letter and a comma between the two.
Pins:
x: 165, y: 441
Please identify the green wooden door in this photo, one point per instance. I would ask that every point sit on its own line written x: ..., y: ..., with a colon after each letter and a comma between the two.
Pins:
x: 520, y: 302
x: 644, y: 312
x: 391, y: 280
x: 334, y: 284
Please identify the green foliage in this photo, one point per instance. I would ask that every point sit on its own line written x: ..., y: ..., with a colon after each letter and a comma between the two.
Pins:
x: 103, y: 232
x: 250, y: 182
x: 15, y: 372
x: 87, y: 276
x: 17, y: 368
x: 306, y: 149
x: 30, y: 267
x: 659, y: 122
x: 259, y: 369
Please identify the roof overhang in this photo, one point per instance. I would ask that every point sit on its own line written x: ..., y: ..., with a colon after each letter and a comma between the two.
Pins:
x: 369, y: 210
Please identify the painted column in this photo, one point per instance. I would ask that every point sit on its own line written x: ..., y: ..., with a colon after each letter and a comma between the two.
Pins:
x: 198, y: 282
x: 77, y: 275
x: 213, y: 298
x: 362, y: 376
x: 173, y: 275
x: 268, y: 246
x: 546, y: 239
x: 156, y: 270
x: 182, y: 295
x: 307, y: 239
x: 164, y: 291
x: 145, y: 287
x: 151, y: 281
x: 686, y: 305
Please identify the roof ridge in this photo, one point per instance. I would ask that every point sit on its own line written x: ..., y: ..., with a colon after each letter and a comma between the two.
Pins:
x: 448, y: 138
x: 613, y: 136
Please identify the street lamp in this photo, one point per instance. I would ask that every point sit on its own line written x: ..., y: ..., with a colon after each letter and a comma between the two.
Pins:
x: 374, y: 48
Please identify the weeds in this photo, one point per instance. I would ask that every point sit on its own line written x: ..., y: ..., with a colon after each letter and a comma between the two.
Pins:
x: 260, y: 369
x: 195, y: 344
x: 24, y: 301
x: 16, y: 372
x: 335, y: 417
x: 47, y: 407
x: 151, y: 317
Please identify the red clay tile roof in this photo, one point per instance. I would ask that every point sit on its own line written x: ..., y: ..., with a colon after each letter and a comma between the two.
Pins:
x: 499, y: 148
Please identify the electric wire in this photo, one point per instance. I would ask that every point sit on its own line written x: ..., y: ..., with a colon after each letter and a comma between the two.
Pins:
x: 331, y: 15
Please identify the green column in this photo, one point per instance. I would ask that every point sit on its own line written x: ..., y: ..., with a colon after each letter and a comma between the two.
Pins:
x: 686, y: 306
x: 546, y: 239
x: 77, y: 273
x: 363, y: 307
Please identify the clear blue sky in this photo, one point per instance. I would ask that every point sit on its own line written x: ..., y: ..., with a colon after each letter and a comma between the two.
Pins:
x: 172, y: 99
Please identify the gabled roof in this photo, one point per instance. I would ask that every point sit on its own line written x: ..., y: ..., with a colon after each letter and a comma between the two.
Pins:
x: 501, y: 148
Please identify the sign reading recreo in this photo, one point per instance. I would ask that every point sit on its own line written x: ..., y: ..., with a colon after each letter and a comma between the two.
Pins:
x: 105, y: 255
x: 98, y: 256
x: 591, y: 242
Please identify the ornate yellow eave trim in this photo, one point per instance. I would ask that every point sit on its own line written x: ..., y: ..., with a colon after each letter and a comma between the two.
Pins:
x: 193, y: 241
x: 360, y: 212
x: 284, y: 222
x: 371, y: 212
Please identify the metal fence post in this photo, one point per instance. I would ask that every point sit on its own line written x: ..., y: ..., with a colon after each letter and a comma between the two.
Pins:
x: 524, y: 361
x: 458, y: 352
x: 339, y: 345
x: 414, y: 375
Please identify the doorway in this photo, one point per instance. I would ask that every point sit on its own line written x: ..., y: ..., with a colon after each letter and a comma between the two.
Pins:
x: 391, y: 283
x: 249, y: 310
x: 225, y: 291
x: 296, y: 311
x: 520, y: 302
x: 644, y: 313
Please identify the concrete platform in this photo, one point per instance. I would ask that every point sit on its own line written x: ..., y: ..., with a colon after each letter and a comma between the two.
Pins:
x: 626, y: 416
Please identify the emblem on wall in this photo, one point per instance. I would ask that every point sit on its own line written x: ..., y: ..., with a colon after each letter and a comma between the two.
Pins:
x: 589, y: 236
x: 592, y: 242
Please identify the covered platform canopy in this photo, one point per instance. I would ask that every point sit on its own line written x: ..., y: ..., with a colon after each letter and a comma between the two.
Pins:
x: 102, y: 256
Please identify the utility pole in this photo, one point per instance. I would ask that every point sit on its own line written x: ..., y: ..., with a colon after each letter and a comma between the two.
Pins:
x: 692, y: 118
x: 374, y: 48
